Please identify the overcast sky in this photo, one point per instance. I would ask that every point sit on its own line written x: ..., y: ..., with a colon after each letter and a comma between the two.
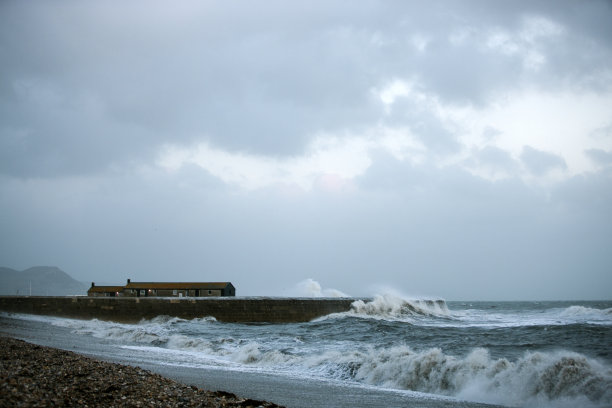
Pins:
x: 452, y: 149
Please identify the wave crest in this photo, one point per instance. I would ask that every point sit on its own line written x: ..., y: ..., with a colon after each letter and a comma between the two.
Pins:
x: 157, y: 331
x: 534, y: 379
x: 396, y: 308
x: 589, y: 314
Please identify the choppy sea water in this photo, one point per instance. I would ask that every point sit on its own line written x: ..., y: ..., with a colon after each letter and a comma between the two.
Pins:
x: 510, y: 353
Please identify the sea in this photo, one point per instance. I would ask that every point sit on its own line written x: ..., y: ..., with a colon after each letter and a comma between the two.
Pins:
x: 531, y: 354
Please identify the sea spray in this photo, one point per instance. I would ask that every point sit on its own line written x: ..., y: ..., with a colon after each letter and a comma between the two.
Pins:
x: 591, y: 315
x: 390, y: 306
x: 535, y: 376
x: 311, y: 288
x: 394, y: 308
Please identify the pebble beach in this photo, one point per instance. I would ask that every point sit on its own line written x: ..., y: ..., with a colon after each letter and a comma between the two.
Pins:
x: 38, y: 376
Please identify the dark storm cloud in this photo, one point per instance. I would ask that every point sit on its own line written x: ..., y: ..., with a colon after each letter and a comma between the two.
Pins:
x: 495, y: 159
x: 110, y: 82
x: 539, y: 162
x: 424, y: 124
x: 157, y: 75
x: 599, y: 156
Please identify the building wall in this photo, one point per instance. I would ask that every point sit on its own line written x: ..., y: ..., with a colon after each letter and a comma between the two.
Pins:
x: 101, y: 294
x: 171, y: 292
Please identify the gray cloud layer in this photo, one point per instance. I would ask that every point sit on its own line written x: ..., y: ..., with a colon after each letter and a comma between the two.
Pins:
x: 91, y: 92
x: 539, y: 162
x: 85, y: 86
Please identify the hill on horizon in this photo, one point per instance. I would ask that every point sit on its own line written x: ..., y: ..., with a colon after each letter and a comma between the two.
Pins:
x: 39, y: 281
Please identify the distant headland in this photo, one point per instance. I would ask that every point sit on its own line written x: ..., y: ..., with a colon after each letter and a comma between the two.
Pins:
x: 39, y: 281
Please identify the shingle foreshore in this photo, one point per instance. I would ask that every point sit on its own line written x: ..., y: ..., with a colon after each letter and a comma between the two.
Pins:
x: 37, y: 376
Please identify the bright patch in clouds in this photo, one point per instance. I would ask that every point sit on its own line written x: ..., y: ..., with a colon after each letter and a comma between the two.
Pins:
x: 560, y: 124
x: 330, y: 162
x: 537, y: 135
x: 499, y: 141
x: 402, y: 88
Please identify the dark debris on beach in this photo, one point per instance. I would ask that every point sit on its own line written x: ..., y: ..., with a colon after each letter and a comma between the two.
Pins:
x: 37, y: 376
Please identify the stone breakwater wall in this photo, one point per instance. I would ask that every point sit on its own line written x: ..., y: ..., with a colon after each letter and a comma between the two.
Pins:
x: 132, y: 310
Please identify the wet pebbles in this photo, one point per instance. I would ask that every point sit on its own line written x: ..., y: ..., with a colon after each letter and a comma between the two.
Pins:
x: 36, y: 376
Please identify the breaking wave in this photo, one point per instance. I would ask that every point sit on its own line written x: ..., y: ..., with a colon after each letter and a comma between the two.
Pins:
x: 390, y: 306
x: 587, y: 314
x: 534, y: 379
x: 157, y: 331
x: 395, y: 308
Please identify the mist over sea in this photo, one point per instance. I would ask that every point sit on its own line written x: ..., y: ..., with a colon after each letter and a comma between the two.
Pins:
x: 545, y: 354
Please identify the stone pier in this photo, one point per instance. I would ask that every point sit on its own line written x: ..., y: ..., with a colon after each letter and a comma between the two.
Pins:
x: 134, y: 309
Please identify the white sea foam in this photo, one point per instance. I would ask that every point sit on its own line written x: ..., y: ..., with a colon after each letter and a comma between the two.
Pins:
x: 394, y: 308
x: 583, y: 310
x: 534, y: 379
x: 32, y: 318
x: 546, y: 317
x: 156, y: 331
x: 257, y: 354
x: 495, y: 318
x: 587, y: 314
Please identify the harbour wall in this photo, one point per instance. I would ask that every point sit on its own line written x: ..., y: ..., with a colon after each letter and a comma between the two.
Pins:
x: 134, y: 309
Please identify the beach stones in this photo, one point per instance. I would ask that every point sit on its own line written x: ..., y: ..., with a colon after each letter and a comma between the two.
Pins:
x: 35, y: 376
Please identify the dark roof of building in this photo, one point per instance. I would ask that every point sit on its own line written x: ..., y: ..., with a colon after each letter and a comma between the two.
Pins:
x: 104, y: 289
x: 178, y: 285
